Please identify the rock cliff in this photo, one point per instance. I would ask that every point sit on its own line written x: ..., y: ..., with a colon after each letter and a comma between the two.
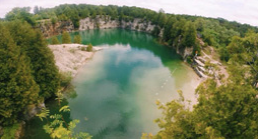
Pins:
x: 49, y: 29
x: 104, y: 22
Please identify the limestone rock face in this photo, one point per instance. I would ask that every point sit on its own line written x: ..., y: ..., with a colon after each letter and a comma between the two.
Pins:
x: 48, y: 29
x: 104, y: 22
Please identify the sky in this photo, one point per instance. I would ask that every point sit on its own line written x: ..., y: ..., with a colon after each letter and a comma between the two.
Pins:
x: 243, y: 11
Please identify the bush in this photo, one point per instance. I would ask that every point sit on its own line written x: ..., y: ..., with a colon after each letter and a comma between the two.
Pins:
x: 89, y: 48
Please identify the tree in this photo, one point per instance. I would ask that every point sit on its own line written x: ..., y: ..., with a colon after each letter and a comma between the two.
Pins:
x: 77, y: 39
x: 66, y: 37
x: 189, y: 35
x: 228, y: 111
x: 36, y: 10
x: 54, y: 40
x: 244, y: 51
x: 41, y: 58
x: 17, y: 86
x: 22, y: 14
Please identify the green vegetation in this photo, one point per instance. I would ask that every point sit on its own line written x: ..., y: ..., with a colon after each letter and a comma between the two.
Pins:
x: 89, y: 48
x: 226, y: 111
x: 58, y: 128
x: 54, y: 40
x: 77, y: 39
x: 66, y: 37
x: 28, y: 72
x: 10, y: 131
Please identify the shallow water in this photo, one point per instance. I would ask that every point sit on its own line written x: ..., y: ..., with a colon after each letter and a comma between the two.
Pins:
x: 116, y: 91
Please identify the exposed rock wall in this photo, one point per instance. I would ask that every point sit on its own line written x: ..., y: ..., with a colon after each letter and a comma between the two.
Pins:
x: 104, y: 22
x: 101, y: 22
x: 48, y: 29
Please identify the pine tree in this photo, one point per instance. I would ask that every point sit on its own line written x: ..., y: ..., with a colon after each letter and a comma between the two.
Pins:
x: 66, y: 37
x: 54, y: 40
x: 40, y: 56
x: 17, y: 87
x: 77, y: 39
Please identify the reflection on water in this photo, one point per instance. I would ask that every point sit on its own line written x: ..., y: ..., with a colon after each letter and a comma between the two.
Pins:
x: 117, y: 89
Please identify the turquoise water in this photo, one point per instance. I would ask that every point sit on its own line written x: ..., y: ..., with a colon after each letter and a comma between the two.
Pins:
x: 118, y: 88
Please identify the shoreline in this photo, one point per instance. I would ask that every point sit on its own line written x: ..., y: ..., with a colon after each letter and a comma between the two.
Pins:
x: 69, y: 58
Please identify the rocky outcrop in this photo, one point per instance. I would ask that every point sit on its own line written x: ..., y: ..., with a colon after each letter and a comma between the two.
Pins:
x: 199, y: 67
x: 105, y: 22
x: 49, y: 29
x: 99, y: 22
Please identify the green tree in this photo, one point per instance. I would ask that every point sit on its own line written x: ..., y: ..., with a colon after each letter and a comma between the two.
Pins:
x: 77, y: 39
x: 66, y: 37
x: 189, y: 35
x: 22, y: 14
x: 244, y: 51
x: 17, y: 86
x: 228, y: 111
x: 41, y: 58
x: 54, y: 40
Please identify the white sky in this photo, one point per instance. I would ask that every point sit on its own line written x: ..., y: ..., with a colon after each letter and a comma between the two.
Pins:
x: 243, y: 11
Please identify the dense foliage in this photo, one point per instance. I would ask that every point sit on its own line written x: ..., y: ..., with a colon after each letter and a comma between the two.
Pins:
x: 28, y: 71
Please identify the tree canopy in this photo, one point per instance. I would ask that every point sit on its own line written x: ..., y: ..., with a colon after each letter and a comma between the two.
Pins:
x: 28, y: 71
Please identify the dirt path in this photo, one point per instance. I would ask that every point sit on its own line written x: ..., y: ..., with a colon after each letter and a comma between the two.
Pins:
x: 220, y: 69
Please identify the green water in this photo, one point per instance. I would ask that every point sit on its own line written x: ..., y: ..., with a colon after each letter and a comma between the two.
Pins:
x: 116, y: 91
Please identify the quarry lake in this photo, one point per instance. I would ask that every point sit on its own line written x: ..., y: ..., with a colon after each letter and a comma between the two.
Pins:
x: 116, y: 91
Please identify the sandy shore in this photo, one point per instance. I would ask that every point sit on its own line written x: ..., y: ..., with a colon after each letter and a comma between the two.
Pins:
x: 70, y: 57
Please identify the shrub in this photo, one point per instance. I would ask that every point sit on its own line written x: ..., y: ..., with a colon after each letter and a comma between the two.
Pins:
x: 89, y: 48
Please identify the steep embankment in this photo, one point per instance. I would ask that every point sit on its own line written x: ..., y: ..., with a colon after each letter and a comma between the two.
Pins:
x: 104, y: 22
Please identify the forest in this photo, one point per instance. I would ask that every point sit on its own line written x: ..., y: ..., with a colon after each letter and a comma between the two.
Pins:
x: 28, y: 75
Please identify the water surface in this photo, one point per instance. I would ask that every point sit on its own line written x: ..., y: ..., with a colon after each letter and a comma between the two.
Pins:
x: 116, y: 91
